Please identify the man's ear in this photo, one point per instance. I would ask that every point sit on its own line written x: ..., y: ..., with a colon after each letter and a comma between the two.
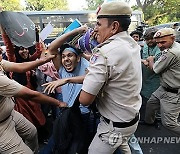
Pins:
x: 78, y: 59
x: 115, y: 27
x: 173, y: 37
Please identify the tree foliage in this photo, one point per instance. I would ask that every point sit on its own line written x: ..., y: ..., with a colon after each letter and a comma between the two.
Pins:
x: 155, y: 11
x: 160, y: 11
x: 11, y: 5
x: 93, y: 4
x: 45, y: 5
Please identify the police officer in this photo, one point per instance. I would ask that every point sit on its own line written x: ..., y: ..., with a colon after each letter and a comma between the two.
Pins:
x: 115, y: 78
x: 166, y: 97
x: 15, y: 129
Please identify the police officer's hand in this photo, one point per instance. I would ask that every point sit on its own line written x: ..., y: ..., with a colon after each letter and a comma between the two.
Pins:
x: 48, y: 58
x: 145, y: 62
x: 150, y: 59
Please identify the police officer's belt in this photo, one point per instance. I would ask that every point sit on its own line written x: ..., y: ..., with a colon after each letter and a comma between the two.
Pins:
x: 5, y: 119
x: 171, y: 90
x: 123, y: 124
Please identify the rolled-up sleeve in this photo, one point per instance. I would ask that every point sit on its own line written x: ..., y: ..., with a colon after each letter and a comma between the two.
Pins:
x: 96, y: 76
x: 8, y: 87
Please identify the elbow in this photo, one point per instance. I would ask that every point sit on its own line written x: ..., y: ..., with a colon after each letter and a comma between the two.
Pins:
x: 86, y: 98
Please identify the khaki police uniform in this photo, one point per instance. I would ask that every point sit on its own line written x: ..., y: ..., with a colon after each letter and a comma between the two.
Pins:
x: 166, y: 97
x: 115, y: 75
x: 14, y: 127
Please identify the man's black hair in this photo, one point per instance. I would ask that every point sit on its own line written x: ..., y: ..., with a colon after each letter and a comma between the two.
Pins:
x: 66, y: 45
x: 124, y: 22
x: 136, y: 32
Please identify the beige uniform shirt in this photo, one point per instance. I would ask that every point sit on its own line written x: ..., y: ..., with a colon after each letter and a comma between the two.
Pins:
x: 8, y: 88
x: 121, y: 94
x: 168, y: 66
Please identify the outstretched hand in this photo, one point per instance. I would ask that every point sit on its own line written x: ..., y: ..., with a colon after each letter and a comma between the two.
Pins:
x: 51, y: 86
x: 48, y: 58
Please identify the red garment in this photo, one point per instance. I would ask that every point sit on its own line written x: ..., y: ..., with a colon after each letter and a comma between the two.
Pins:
x: 31, y: 110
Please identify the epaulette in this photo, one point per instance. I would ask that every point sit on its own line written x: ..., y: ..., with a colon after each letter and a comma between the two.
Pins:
x: 104, y: 43
x: 96, y: 49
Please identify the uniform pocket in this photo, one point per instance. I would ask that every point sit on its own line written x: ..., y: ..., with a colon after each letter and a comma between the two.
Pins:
x: 172, y: 97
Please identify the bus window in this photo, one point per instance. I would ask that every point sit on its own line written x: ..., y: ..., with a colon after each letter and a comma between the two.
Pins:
x: 61, y: 19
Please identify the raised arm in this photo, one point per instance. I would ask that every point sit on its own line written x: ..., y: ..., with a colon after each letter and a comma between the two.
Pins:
x: 57, y: 43
x: 9, y: 45
x: 26, y: 66
x: 39, y: 47
x: 37, y: 53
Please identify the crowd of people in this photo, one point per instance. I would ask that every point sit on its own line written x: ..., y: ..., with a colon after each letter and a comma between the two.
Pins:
x: 98, y: 87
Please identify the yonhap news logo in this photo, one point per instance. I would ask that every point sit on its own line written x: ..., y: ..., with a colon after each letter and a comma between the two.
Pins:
x: 155, y: 140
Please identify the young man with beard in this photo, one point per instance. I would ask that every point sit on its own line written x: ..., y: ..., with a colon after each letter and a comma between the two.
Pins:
x: 71, y: 68
x: 150, y: 80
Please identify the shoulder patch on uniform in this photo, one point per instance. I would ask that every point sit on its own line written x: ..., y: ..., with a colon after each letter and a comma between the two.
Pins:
x: 93, y: 58
x: 163, y: 57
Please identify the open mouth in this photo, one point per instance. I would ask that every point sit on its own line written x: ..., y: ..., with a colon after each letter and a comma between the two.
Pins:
x: 24, y: 55
x: 68, y: 66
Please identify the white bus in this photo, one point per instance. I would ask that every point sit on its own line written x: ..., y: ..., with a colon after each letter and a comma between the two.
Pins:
x: 61, y: 19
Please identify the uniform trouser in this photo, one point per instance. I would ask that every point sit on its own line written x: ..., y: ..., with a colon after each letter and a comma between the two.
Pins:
x: 18, y: 135
x: 169, y: 105
x: 109, y: 138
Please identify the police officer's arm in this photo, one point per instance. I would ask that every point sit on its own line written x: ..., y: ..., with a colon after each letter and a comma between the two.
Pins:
x: 26, y: 66
x: 150, y: 61
x: 164, y: 62
x: 57, y: 43
x: 86, y: 98
x: 35, y: 96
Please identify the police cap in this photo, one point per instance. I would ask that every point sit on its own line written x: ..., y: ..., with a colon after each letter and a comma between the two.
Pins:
x: 164, y: 32
x: 114, y: 9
